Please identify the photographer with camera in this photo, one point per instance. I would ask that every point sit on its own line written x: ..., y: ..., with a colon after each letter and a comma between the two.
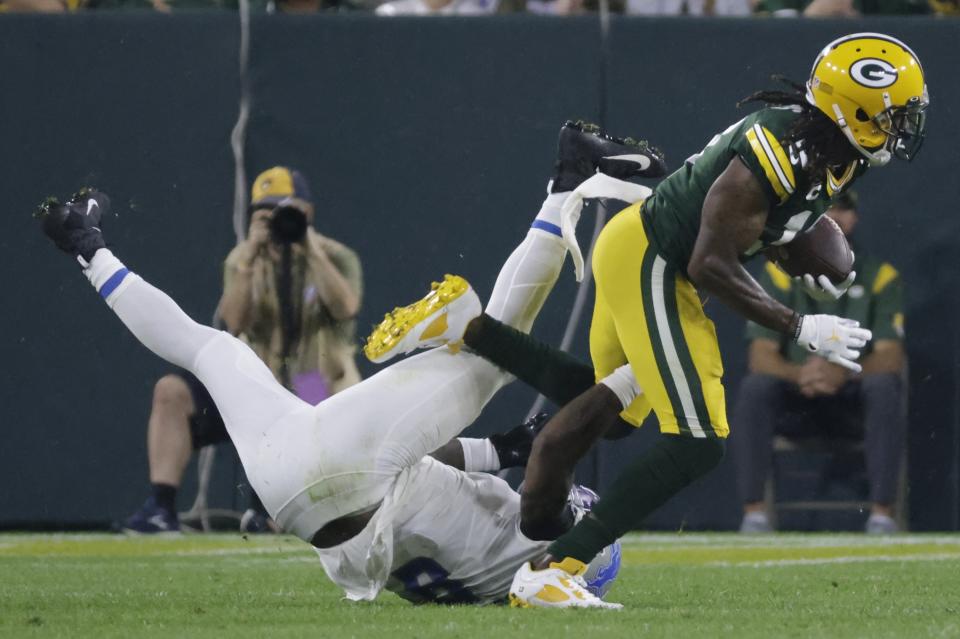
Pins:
x: 291, y: 294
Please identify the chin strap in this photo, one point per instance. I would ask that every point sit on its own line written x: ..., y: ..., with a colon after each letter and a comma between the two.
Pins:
x: 875, y: 158
x: 597, y: 186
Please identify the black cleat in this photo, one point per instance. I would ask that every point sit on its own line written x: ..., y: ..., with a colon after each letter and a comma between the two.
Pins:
x: 75, y: 226
x: 256, y: 521
x: 584, y: 149
x: 513, y: 447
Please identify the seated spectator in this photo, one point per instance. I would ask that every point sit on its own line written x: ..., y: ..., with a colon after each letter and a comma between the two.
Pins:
x: 40, y: 6
x: 945, y: 7
x: 688, y: 7
x: 172, y: 6
x: 841, y: 8
x: 558, y: 7
x: 793, y: 393
x: 437, y: 8
x: 299, y: 322
x: 637, y: 7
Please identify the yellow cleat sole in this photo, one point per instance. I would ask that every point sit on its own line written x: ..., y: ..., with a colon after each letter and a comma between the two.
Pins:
x: 517, y: 602
x: 398, y: 323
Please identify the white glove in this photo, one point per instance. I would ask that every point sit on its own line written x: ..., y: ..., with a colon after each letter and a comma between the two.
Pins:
x: 837, y: 339
x: 822, y: 289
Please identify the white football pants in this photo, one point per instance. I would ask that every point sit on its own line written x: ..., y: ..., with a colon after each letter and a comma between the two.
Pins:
x: 313, y: 464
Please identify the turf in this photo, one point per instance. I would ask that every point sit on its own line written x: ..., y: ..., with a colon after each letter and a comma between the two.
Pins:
x: 675, y: 586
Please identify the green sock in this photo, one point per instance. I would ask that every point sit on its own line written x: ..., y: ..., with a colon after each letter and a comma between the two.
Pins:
x: 557, y: 375
x: 645, y: 485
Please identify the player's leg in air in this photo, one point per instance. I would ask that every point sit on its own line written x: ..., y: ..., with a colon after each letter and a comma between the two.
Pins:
x: 557, y: 375
x: 332, y: 464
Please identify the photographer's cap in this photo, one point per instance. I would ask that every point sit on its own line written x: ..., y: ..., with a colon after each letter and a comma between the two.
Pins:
x: 280, y: 183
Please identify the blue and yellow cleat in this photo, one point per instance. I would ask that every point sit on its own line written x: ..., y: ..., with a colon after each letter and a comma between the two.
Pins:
x: 438, y: 319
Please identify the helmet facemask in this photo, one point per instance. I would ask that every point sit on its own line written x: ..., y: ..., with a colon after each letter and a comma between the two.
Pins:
x: 905, y: 127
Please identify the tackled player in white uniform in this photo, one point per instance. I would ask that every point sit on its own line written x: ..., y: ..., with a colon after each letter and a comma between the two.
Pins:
x: 413, y: 524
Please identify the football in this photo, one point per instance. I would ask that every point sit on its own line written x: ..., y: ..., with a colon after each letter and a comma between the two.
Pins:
x: 822, y: 250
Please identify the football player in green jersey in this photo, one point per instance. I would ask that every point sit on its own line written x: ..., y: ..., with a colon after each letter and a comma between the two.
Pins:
x: 758, y: 183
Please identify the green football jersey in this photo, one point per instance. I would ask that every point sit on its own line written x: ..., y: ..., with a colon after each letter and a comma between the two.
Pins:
x: 672, y: 213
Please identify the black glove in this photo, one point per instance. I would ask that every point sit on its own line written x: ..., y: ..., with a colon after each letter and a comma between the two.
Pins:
x: 513, y: 447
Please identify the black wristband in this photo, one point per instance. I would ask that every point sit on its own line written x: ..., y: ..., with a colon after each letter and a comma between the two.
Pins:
x: 798, y: 318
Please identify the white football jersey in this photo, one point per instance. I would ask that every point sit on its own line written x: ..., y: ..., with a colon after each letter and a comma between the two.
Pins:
x: 446, y: 536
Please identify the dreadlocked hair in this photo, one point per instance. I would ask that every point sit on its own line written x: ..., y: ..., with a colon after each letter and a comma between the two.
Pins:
x: 821, y: 139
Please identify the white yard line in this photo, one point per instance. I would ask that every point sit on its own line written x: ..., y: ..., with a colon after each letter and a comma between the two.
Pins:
x: 230, y: 544
x: 218, y: 552
x: 774, y: 563
x: 814, y: 540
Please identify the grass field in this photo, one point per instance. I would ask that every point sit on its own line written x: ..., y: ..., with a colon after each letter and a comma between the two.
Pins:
x: 675, y: 586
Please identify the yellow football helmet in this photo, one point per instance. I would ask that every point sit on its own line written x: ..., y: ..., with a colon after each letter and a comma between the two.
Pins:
x: 873, y: 87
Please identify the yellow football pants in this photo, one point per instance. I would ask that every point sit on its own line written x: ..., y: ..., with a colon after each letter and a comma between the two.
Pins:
x: 649, y: 314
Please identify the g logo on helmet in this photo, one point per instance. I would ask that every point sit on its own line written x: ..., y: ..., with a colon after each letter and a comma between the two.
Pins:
x: 873, y: 73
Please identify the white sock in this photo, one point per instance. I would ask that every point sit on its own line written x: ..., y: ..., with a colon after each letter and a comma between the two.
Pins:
x: 153, y: 318
x: 526, y: 279
x: 548, y: 219
x: 108, y: 275
x: 623, y: 384
x: 528, y: 275
x: 479, y: 455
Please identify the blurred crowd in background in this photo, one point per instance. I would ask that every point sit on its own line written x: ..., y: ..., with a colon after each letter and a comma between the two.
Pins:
x: 776, y: 8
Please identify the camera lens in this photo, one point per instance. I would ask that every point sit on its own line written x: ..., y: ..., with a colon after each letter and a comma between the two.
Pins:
x: 288, y: 225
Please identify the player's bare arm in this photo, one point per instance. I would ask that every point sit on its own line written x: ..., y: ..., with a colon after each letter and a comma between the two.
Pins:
x: 733, y: 217
x: 734, y: 213
x: 569, y: 435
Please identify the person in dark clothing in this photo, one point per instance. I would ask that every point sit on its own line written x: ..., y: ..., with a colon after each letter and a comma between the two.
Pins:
x: 794, y: 393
